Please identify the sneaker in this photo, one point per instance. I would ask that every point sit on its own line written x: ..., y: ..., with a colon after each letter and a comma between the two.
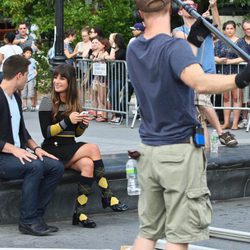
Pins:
x: 25, y: 109
x: 243, y: 124
x: 117, y: 120
x: 228, y: 139
x: 32, y: 109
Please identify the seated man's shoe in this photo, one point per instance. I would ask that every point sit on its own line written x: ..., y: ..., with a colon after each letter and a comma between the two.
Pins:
x: 52, y: 229
x: 114, y: 204
x: 36, y: 229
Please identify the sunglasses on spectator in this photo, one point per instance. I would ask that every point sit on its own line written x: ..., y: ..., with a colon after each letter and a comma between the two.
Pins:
x: 192, y: 5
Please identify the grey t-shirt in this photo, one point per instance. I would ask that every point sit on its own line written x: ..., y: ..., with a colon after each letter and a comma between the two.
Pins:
x: 68, y: 47
x: 166, y: 103
x: 27, y: 43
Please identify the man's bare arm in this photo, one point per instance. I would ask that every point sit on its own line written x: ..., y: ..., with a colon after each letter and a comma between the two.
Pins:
x: 215, y: 13
x: 194, y: 77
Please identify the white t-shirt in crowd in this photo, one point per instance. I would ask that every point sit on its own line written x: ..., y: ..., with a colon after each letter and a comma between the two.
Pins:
x: 9, y: 50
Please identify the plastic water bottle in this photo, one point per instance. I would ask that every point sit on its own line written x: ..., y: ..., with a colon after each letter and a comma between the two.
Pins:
x: 131, y: 172
x: 214, y: 142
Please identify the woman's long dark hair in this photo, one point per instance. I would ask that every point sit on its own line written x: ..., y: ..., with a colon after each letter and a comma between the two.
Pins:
x: 119, y: 41
x: 72, y: 97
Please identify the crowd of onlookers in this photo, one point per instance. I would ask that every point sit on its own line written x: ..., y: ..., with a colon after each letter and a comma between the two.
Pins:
x: 22, y: 44
x: 95, y: 46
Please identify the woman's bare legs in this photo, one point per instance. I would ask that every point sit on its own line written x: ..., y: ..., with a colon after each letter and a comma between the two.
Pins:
x: 227, y: 112
x: 237, y: 102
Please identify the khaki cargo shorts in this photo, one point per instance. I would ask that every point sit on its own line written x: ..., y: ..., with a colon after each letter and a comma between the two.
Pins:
x: 174, y: 201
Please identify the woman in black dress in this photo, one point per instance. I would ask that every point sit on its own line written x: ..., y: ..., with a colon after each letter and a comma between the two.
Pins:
x: 61, y: 121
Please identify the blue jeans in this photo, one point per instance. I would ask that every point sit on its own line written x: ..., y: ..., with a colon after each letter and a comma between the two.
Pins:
x: 39, y: 182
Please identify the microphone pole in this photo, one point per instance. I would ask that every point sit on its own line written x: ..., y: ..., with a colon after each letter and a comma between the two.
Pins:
x: 193, y: 12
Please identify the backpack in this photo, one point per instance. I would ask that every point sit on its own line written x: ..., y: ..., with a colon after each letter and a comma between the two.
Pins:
x: 51, y: 52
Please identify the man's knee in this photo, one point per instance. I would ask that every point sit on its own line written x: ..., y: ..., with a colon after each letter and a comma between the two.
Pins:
x: 52, y: 165
x: 35, y: 166
x: 87, y: 166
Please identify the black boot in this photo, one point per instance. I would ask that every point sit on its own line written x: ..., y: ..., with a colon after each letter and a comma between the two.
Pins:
x: 76, y: 220
x: 117, y: 207
x: 79, y: 217
x: 108, y: 199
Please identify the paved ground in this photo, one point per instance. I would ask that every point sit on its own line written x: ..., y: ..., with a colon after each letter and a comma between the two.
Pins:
x: 116, y: 229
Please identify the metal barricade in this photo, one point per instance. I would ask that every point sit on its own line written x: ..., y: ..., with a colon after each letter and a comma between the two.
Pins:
x: 103, y: 86
x: 237, y: 99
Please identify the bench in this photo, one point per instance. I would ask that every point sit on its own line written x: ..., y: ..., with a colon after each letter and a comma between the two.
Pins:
x: 228, y: 176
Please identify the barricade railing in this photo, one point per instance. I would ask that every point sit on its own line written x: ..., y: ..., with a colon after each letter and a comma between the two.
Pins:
x: 103, y: 87
x: 235, y: 99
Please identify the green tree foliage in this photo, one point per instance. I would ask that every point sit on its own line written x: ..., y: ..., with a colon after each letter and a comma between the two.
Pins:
x: 112, y: 15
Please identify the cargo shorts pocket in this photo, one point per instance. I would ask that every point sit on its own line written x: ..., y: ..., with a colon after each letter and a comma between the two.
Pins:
x: 200, y: 208
x: 173, y: 158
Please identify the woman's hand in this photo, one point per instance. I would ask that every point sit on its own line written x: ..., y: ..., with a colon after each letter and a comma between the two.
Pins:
x: 40, y: 153
x: 206, y: 14
x: 212, y: 3
x: 75, y: 117
x: 85, y: 119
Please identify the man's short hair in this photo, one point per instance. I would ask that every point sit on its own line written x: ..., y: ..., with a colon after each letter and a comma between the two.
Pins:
x: 69, y: 32
x: 151, y: 5
x: 246, y: 20
x: 9, y: 36
x: 22, y: 23
x: 14, y: 65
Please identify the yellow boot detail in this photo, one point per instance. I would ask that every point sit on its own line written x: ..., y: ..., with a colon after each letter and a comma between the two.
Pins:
x: 103, y: 183
x: 114, y: 201
x: 83, y: 217
x: 82, y: 199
